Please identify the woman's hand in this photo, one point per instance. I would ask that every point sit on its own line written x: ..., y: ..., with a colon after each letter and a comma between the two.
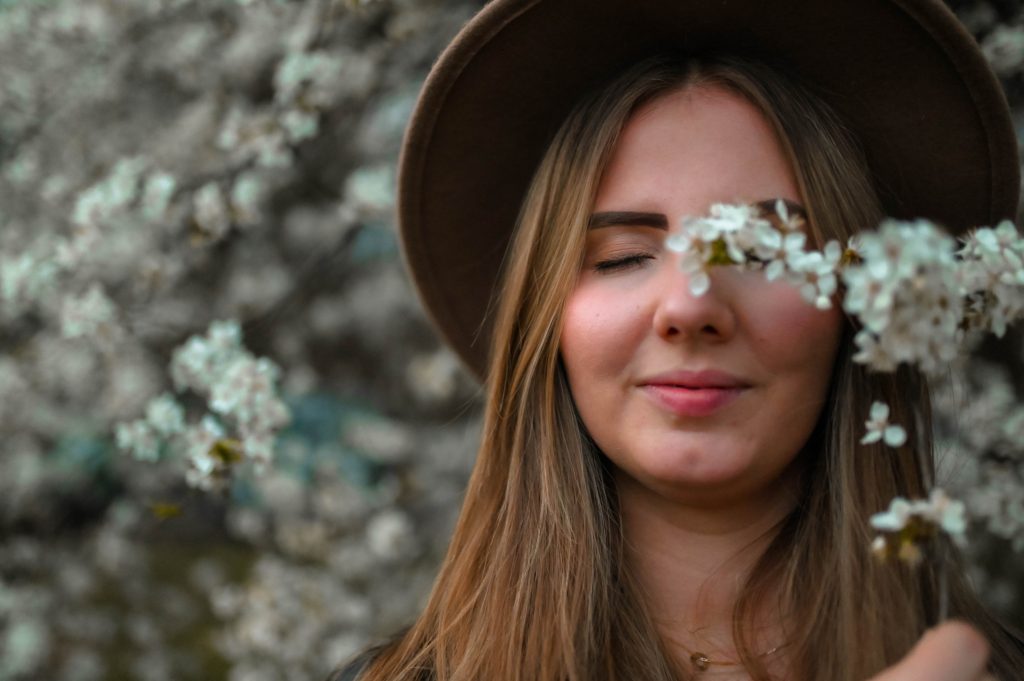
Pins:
x: 953, y: 651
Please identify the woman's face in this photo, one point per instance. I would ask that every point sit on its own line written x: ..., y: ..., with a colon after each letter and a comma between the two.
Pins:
x: 703, y: 400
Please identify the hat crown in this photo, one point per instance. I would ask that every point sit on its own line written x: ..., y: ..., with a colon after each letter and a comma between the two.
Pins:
x: 904, y: 75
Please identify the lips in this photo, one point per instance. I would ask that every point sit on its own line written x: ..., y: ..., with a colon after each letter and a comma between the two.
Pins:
x: 694, y: 393
x: 697, y: 380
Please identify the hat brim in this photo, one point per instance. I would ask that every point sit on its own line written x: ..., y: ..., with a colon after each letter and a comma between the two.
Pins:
x: 904, y: 75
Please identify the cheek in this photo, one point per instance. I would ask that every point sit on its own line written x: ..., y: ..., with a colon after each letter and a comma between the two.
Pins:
x: 598, y: 329
x: 797, y: 339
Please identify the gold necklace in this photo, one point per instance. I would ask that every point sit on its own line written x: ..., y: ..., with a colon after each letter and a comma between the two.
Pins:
x: 701, y: 662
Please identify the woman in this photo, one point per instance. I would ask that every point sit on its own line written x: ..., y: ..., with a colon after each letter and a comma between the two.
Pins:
x: 670, y: 486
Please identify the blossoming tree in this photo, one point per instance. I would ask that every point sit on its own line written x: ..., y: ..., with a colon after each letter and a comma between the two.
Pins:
x: 231, y: 445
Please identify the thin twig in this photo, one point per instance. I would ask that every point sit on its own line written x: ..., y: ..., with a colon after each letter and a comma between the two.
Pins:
x: 943, y: 567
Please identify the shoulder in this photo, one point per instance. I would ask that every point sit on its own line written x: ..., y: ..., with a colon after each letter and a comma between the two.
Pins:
x: 352, y: 670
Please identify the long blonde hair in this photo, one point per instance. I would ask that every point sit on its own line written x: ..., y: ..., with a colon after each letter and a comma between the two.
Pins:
x: 534, y: 586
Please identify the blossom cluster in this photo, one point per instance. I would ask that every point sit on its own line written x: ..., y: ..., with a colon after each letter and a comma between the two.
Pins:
x: 167, y: 163
x: 743, y: 235
x: 981, y: 421
x: 908, y: 525
x: 237, y: 386
x: 912, y: 288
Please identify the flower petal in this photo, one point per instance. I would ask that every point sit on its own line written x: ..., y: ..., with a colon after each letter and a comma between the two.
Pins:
x: 895, y: 436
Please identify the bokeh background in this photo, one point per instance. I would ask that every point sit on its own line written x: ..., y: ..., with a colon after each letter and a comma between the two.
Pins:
x: 231, y: 445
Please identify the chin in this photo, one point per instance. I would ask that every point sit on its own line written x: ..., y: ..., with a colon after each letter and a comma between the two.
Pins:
x: 690, y: 473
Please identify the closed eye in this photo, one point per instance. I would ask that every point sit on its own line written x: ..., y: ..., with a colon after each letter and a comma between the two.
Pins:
x: 624, y: 263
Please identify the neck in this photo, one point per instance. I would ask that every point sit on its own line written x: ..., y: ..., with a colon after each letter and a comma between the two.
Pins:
x: 691, y: 561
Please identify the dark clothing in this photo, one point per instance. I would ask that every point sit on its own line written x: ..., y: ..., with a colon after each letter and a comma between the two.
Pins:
x: 353, y: 669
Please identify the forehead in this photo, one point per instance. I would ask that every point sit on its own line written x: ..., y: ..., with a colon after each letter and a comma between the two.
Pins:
x: 690, y: 148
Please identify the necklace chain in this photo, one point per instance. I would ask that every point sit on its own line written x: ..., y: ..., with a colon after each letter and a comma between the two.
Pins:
x: 702, y: 662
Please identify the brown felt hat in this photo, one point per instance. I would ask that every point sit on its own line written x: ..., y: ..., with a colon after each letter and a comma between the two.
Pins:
x: 904, y: 75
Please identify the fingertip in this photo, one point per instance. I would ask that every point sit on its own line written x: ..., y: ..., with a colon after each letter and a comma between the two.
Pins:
x: 964, y: 637
x: 951, y: 651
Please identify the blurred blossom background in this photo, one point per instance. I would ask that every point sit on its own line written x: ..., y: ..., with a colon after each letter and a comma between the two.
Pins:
x: 231, y: 445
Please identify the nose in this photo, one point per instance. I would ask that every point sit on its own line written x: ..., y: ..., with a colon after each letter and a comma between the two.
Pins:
x: 681, y: 316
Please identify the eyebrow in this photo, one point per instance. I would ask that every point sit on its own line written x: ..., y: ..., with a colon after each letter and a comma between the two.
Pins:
x: 794, y: 208
x: 619, y: 218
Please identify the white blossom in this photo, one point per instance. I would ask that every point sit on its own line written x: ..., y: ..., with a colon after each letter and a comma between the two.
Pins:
x: 24, y: 279
x: 879, y: 428
x: 165, y: 415
x: 140, y: 439
x: 113, y: 194
x: 93, y: 314
x: 247, y: 196
x: 157, y: 194
x: 255, y: 135
x: 24, y: 643
x: 70, y: 253
x: 782, y: 251
x: 205, y: 465
x: 997, y: 500
x: 311, y: 77
x: 992, y: 276
x: 244, y: 389
x: 815, y: 272
x: 908, y: 527
x: 299, y: 125
x: 721, y: 237
x: 200, y: 359
x: 905, y: 293
x: 939, y: 511
x: 895, y: 518
x: 1004, y: 49
x: 390, y: 535
x: 211, y: 211
x: 371, y: 189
